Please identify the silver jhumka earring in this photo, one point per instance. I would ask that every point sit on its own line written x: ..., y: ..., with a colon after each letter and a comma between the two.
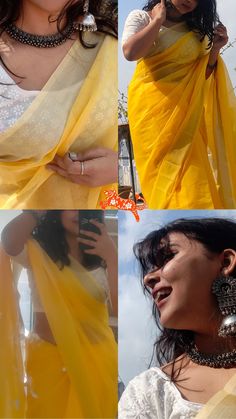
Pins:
x: 87, y: 21
x: 224, y: 288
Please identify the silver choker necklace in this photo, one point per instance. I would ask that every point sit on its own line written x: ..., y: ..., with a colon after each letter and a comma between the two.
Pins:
x: 224, y: 360
x: 40, y: 41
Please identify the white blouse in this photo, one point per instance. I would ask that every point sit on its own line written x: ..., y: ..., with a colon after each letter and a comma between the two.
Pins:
x: 152, y: 395
x: 135, y: 22
x: 13, y: 100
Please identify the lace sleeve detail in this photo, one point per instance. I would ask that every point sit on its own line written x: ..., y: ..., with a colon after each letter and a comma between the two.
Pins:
x: 151, y: 395
x: 136, y: 401
x: 135, y: 22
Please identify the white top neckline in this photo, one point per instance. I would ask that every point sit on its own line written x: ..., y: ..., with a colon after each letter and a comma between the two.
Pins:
x: 9, y: 79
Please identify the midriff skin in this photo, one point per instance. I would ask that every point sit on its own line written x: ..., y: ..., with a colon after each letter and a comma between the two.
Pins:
x: 41, y: 327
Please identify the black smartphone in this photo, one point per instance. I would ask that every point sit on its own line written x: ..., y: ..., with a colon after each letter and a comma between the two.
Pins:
x: 90, y: 261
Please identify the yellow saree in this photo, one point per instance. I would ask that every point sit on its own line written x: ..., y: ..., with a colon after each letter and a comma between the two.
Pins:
x: 77, y: 377
x: 183, y: 129
x: 75, y: 111
x: 222, y: 405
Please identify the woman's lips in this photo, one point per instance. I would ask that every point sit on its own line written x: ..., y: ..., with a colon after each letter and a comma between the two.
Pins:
x: 161, y: 296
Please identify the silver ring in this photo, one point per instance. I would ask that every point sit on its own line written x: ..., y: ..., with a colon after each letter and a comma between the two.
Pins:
x: 73, y: 156
x: 82, y: 168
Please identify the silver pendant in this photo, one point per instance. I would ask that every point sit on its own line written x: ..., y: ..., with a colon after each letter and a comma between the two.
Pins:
x: 86, y: 23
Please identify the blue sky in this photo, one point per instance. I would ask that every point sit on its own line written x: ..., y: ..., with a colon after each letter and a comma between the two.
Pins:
x: 137, y: 331
x: 227, y: 11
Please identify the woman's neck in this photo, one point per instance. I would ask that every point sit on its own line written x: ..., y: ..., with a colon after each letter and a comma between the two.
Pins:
x: 213, y: 344
x: 37, y: 20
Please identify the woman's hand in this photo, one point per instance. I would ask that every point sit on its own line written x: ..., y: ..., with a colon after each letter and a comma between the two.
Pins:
x: 219, y: 41
x: 159, y: 12
x: 96, y: 167
x: 101, y: 244
x: 220, y: 37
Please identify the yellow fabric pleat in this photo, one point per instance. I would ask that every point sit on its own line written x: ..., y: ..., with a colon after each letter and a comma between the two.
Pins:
x: 222, y: 405
x: 90, y: 122
x: 183, y: 129
x: 79, y: 323
x: 76, y: 377
x: 12, y: 395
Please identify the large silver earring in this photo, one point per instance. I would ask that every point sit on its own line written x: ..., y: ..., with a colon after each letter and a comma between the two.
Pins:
x: 224, y: 288
x: 87, y: 21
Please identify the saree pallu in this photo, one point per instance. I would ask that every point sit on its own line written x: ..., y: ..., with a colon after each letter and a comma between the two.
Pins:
x: 222, y: 405
x: 76, y: 377
x: 75, y: 111
x: 183, y: 129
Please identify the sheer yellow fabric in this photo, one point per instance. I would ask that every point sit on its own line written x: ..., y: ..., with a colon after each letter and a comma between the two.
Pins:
x: 222, y: 405
x: 77, y: 377
x: 12, y: 395
x: 76, y: 110
x: 183, y: 129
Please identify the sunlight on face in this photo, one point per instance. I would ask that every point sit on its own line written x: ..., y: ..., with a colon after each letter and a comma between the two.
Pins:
x: 181, y: 287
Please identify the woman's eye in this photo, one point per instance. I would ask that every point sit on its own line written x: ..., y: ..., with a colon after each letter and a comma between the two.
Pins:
x: 168, y: 256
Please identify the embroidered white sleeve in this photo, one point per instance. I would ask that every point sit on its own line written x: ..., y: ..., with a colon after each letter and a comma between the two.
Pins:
x: 135, y: 21
x: 151, y: 395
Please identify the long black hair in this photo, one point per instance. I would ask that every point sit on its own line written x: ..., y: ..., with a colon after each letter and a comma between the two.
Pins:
x: 201, y: 20
x: 51, y: 236
x: 215, y: 234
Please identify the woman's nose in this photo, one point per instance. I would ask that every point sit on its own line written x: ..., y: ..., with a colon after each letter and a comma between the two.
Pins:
x: 151, y: 278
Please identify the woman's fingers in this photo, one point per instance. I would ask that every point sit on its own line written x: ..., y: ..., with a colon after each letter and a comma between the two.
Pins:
x: 88, y: 242
x: 99, y: 225
x: 58, y: 170
x: 91, y: 234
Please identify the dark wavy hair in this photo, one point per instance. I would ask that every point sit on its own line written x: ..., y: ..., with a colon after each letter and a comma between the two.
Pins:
x: 215, y: 234
x: 202, y: 20
x: 50, y: 234
x: 105, y: 12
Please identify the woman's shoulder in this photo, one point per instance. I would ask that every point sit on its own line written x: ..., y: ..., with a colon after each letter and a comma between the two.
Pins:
x: 152, y: 394
x: 144, y: 396
x: 138, y: 16
x: 136, y: 20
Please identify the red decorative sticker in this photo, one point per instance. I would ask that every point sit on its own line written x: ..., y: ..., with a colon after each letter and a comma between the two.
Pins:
x: 115, y: 201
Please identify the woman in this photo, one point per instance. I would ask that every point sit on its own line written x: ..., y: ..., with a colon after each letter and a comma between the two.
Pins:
x: 189, y: 268
x: 181, y: 105
x: 68, y: 368
x: 57, y: 103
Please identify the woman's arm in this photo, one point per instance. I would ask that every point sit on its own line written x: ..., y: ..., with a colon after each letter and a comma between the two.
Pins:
x: 18, y: 231
x: 220, y: 40
x: 139, y: 44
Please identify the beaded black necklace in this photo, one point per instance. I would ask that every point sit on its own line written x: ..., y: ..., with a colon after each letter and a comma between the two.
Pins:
x: 224, y: 360
x: 40, y: 41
